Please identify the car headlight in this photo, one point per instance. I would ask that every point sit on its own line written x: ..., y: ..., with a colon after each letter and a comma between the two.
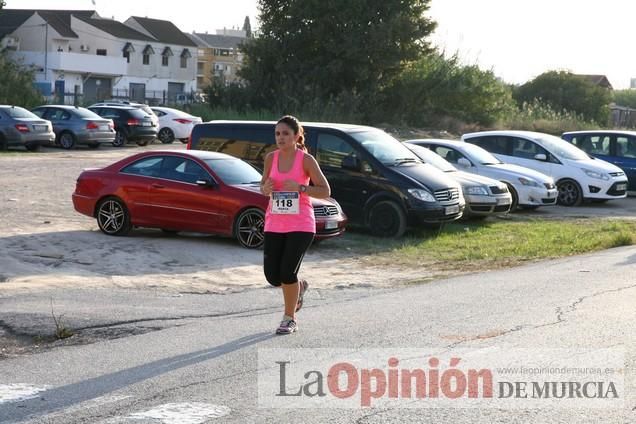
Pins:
x: 422, y: 195
x: 595, y: 174
x: 529, y: 182
x: 477, y: 190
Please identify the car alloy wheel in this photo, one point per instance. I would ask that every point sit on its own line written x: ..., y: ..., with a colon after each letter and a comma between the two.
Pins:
x: 113, y: 217
x: 67, y: 140
x: 120, y: 138
x: 387, y: 219
x: 166, y: 136
x: 570, y: 193
x: 250, y: 228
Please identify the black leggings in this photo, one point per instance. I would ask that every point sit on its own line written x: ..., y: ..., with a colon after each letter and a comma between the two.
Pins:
x: 283, y: 254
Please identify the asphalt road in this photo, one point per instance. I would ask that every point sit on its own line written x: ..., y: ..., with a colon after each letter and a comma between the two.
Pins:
x: 200, y: 353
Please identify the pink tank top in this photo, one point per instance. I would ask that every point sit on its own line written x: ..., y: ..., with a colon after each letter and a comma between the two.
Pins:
x: 286, y: 223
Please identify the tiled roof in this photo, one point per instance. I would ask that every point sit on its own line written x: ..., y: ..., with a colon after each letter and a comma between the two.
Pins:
x: 164, y: 31
x: 219, y: 41
x: 60, y: 20
x: 116, y: 29
x: 11, y: 19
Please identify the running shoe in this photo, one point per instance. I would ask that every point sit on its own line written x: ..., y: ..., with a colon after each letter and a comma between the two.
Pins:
x: 287, y: 327
x: 304, y: 285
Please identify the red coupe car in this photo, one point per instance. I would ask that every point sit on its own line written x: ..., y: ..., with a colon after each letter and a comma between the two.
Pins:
x: 192, y: 190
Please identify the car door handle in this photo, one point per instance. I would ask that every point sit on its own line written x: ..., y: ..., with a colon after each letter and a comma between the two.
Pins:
x: 158, y: 186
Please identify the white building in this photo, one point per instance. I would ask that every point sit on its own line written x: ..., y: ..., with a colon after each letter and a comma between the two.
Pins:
x: 86, y: 57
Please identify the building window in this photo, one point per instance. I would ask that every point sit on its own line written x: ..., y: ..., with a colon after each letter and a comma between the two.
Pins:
x: 148, y: 50
x: 100, y: 52
x: 167, y: 52
x: 185, y: 55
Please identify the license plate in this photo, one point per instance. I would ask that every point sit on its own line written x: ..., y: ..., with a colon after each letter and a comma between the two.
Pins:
x: 621, y: 187
x: 103, y: 127
x: 503, y: 201
x: 551, y: 194
x: 40, y: 128
x: 146, y: 124
x: 451, y: 210
x: 330, y: 225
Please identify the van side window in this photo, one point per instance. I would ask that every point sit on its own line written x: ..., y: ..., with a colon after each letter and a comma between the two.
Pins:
x: 522, y: 148
x: 332, y: 149
x: 253, y: 151
x: 594, y: 144
x: 494, y: 144
x: 626, y: 147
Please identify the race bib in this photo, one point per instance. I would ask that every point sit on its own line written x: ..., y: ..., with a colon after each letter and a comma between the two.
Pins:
x: 285, y: 202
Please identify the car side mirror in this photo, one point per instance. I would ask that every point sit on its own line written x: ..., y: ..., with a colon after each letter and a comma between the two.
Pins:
x: 351, y: 163
x: 541, y: 156
x: 464, y: 163
x: 205, y: 183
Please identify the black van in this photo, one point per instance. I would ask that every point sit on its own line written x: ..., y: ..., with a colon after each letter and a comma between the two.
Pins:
x: 378, y: 182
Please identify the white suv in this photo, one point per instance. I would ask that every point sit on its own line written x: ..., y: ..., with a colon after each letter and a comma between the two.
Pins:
x: 578, y: 176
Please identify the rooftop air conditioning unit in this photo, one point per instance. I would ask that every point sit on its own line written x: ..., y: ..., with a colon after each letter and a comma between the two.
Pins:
x: 84, y: 47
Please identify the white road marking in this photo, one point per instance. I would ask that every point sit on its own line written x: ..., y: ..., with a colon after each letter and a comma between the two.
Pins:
x: 18, y: 392
x: 183, y: 413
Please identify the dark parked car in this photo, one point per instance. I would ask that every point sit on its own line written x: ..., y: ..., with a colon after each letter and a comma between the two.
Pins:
x: 379, y: 183
x: 198, y: 191
x: 19, y: 127
x: 77, y: 125
x: 616, y: 147
x: 131, y: 124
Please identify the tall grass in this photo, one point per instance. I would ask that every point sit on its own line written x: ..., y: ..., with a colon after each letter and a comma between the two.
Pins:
x: 537, y: 116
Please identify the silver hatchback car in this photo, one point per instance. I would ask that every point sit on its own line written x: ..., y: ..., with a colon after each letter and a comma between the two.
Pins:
x: 77, y: 125
x: 19, y: 127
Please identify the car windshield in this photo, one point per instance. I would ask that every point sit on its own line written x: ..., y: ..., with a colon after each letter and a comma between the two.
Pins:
x: 85, y: 113
x: 562, y: 148
x: 480, y: 155
x: 234, y: 171
x: 431, y: 158
x: 20, y: 113
x: 385, y: 148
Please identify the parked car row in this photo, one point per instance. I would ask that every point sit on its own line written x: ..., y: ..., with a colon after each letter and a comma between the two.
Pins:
x: 110, y: 122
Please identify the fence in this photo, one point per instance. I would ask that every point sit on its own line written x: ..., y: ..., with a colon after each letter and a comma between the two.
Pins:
x: 152, y: 98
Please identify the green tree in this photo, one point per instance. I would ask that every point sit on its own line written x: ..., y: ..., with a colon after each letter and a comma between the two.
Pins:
x: 247, y: 27
x: 625, y: 98
x: 564, y: 91
x: 310, y: 50
x: 435, y: 87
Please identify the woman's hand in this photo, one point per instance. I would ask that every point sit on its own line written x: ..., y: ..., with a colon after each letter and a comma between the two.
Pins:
x: 291, y: 185
x: 267, y: 187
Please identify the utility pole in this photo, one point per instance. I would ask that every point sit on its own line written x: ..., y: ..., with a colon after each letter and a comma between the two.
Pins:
x: 46, y: 50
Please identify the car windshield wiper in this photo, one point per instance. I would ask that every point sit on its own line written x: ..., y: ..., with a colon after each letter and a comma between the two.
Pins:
x: 400, y: 161
x: 491, y: 163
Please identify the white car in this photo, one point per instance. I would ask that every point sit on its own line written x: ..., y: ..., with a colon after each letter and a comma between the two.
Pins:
x: 578, y: 176
x: 484, y: 196
x: 174, y: 123
x: 529, y: 189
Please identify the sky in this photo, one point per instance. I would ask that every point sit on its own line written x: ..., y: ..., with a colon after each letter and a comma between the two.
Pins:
x: 516, y: 39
